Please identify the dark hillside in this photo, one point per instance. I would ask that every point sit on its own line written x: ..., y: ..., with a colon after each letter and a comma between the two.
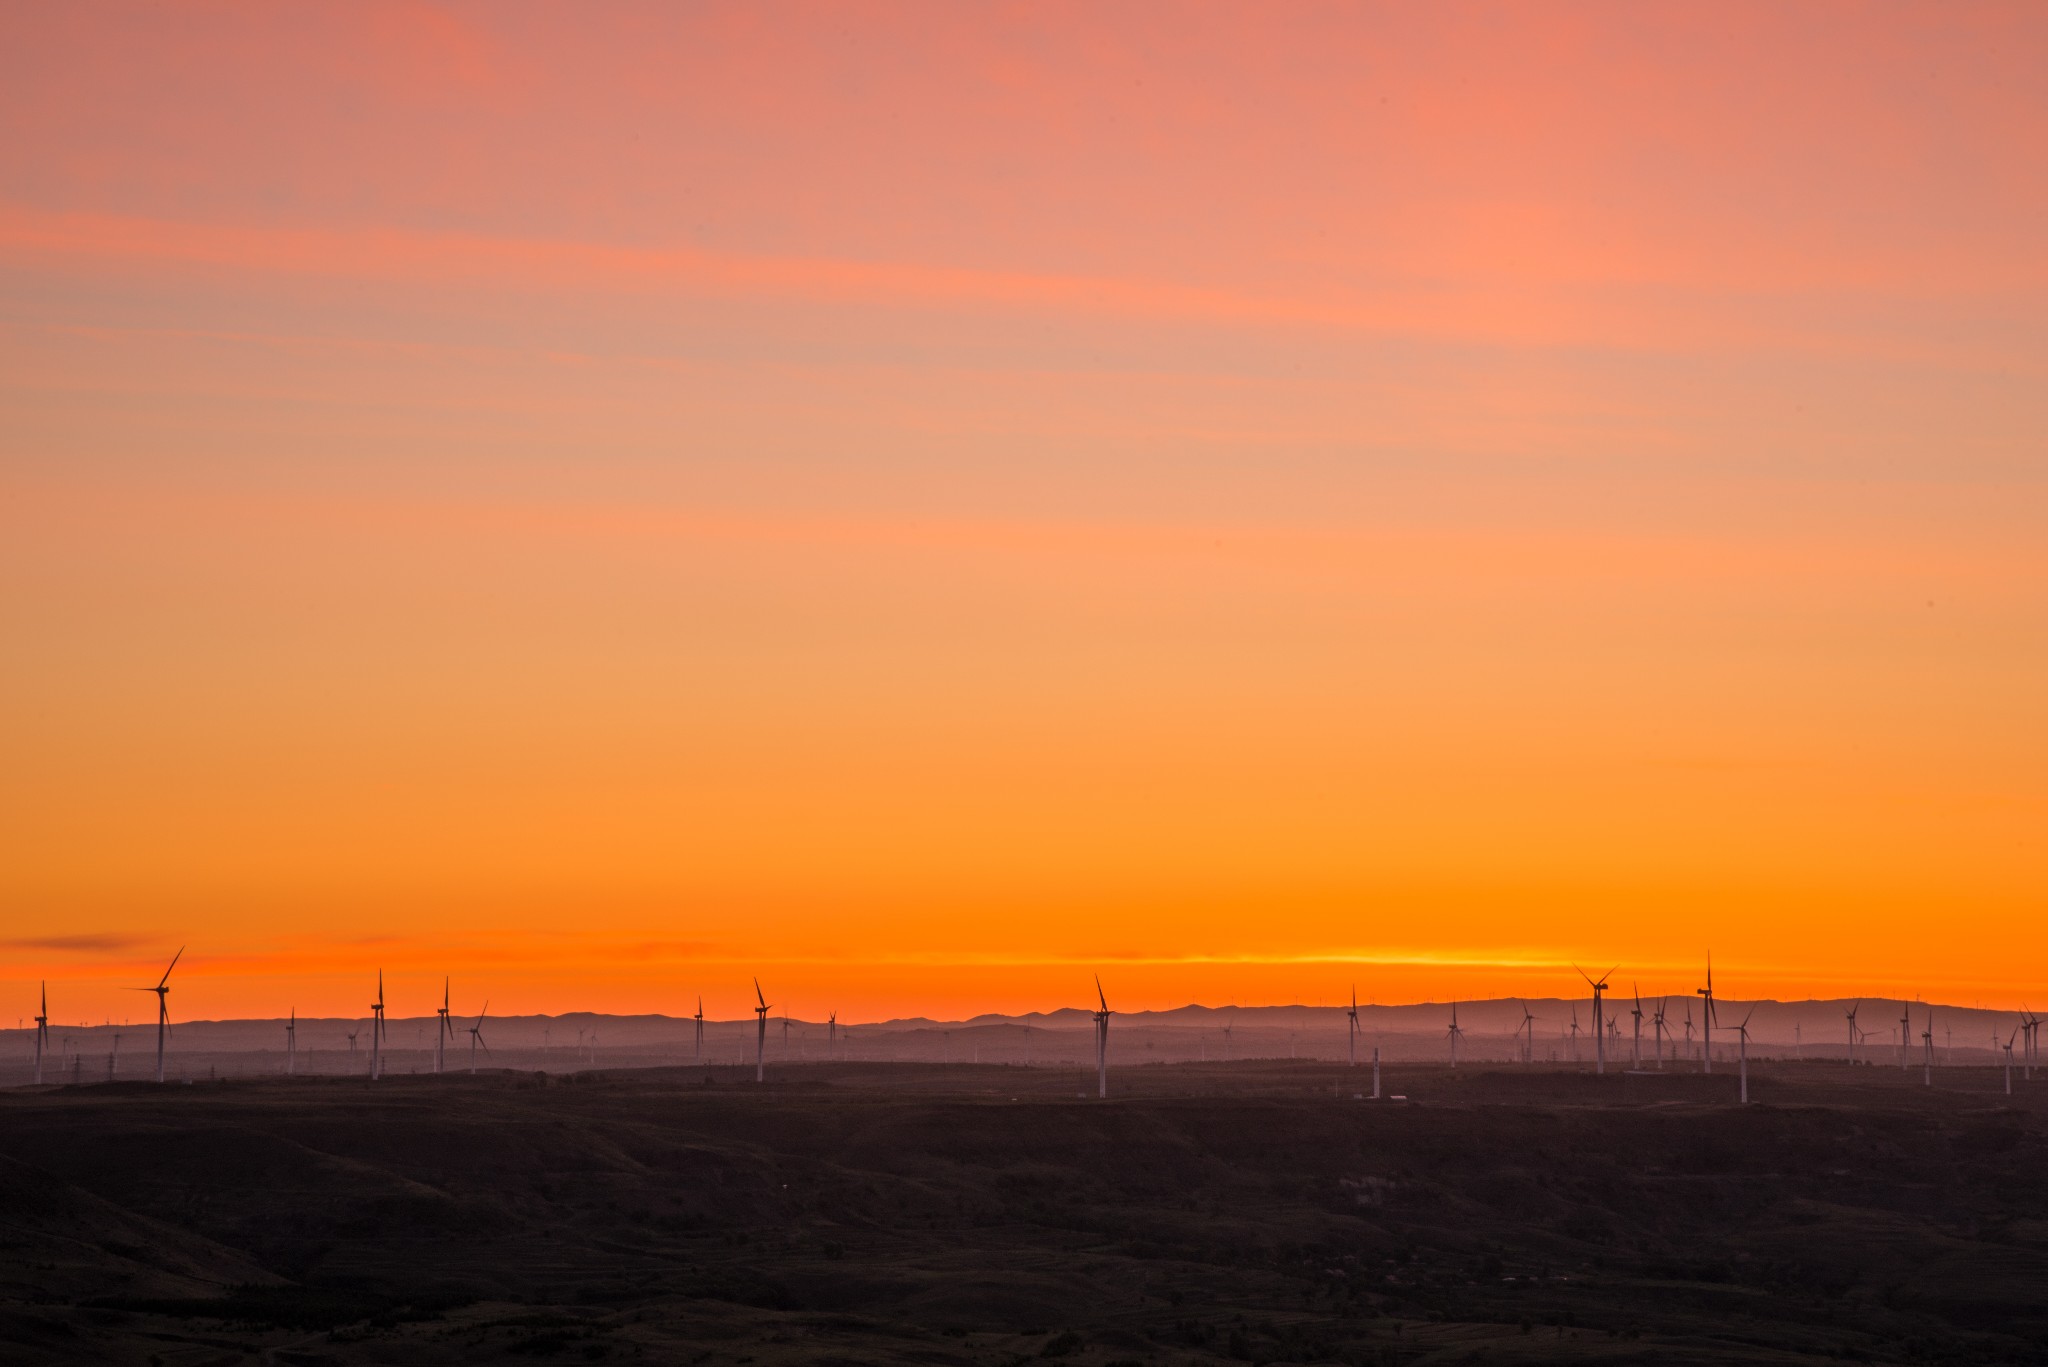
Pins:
x: 863, y: 1213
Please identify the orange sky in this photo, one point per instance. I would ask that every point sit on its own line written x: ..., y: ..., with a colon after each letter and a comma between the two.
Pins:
x: 926, y: 502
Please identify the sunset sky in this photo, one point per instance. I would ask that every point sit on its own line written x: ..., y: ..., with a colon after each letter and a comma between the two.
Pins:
x: 926, y: 503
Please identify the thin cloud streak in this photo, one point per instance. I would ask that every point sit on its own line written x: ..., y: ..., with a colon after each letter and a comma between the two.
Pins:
x: 106, y: 943
x: 1460, y: 300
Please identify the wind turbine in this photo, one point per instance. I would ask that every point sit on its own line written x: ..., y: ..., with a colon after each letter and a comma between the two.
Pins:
x: 1227, y: 1021
x: 1527, y: 1031
x: 760, y: 1033
x: 1707, y: 1018
x: 291, y: 1043
x: 163, y: 1010
x: 2008, y: 1057
x: 1101, y: 1042
x: 699, y: 1019
x: 444, y: 1032
x: 1575, y: 1032
x: 476, y: 1037
x: 1351, y: 1033
x: 1927, y: 1039
x: 831, y: 1031
x: 1905, y: 1033
x: 1856, y: 1006
x: 1599, y: 986
x: 43, y: 1033
x: 1688, y: 1025
x: 1658, y: 1022
x: 377, y: 1030
x: 1636, y: 1053
x: 1743, y: 1031
x: 1454, y: 1034
x: 352, y: 1041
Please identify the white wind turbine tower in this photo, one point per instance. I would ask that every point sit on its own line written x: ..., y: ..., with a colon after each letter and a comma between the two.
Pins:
x: 163, y: 1010
x: 2008, y: 1057
x: 1927, y: 1039
x: 1599, y: 987
x: 831, y: 1031
x: 1575, y: 1032
x: 1707, y: 1018
x: 1743, y: 1031
x: 1636, y: 1050
x: 1351, y: 1032
x: 1854, y: 1007
x: 1527, y: 1030
x: 377, y: 1030
x: 444, y: 1032
x: 476, y: 1037
x: 1454, y: 1034
x: 42, y: 1033
x: 760, y: 1034
x: 291, y: 1043
x: 1101, y: 1042
x: 1375, y: 1070
x: 699, y: 1019
x: 1658, y: 1022
x: 1688, y: 1025
x: 352, y: 1041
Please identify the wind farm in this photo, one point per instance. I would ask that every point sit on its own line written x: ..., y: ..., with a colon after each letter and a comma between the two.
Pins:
x: 1454, y: 1034
x: 1443, y: 1215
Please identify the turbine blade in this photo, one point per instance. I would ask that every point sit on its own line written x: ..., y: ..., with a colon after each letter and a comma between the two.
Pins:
x: 174, y: 963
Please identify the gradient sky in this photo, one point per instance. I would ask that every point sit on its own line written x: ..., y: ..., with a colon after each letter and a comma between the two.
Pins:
x: 927, y: 502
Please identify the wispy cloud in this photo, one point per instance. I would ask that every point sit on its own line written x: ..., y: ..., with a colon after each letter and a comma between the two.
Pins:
x: 1591, y: 301
x: 106, y: 943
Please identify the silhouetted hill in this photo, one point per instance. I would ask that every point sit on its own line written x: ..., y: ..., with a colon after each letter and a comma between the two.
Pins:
x: 1415, y: 1032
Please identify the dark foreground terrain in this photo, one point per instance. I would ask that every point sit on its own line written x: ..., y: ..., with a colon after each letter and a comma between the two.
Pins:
x: 1250, y: 1212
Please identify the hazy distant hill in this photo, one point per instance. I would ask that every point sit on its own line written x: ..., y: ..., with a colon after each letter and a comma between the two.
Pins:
x: 1411, y: 1032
